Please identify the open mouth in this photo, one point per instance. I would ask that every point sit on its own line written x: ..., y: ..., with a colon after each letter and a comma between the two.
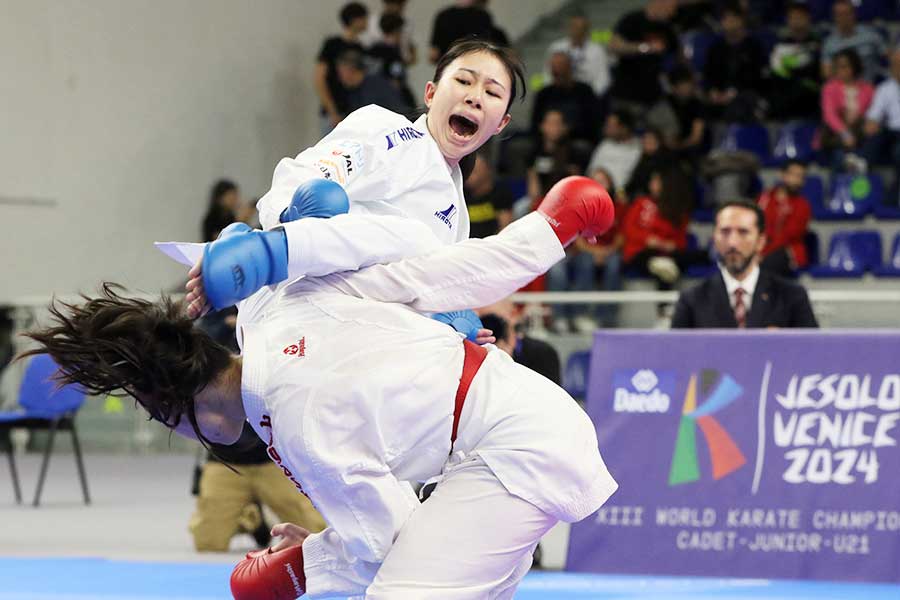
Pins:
x: 462, y: 126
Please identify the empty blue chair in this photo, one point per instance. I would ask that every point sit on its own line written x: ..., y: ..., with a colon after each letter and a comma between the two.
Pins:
x: 576, y: 376
x: 851, y: 198
x: 892, y: 268
x: 794, y: 141
x: 850, y: 254
x: 43, y: 404
x: 814, y: 192
x: 752, y: 138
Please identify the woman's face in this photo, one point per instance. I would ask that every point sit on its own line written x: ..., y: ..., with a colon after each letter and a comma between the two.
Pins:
x: 843, y: 70
x: 468, y: 105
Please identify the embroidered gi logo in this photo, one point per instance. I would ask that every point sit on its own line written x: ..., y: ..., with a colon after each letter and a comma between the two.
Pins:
x: 402, y: 135
x: 446, y: 214
x: 298, y: 349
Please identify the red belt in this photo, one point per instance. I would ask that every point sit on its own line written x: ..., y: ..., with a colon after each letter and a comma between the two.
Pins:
x: 474, y: 356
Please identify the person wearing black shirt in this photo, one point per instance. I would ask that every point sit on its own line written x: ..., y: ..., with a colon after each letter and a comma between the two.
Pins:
x: 796, y: 74
x: 733, y: 73
x: 332, y: 95
x: 362, y: 89
x: 463, y: 19
x: 574, y: 99
x: 387, y: 55
x: 642, y: 40
x: 679, y: 116
x: 555, y: 156
x: 490, y: 205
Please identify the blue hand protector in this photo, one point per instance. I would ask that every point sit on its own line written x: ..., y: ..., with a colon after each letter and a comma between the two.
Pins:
x: 241, y: 261
x: 465, y: 322
x: 316, y: 198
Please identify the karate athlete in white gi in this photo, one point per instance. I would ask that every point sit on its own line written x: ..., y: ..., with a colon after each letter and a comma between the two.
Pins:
x: 355, y: 396
x: 403, y: 181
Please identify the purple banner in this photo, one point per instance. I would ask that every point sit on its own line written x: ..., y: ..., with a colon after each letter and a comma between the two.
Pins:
x: 750, y: 454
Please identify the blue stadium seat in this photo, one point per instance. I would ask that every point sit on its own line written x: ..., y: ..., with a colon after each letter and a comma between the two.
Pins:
x: 892, y: 268
x: 696, y: 44
x: 794, y: 141
x: 752, y: 138
x: 814, y: 192
x: 851, y: 197
x: 850, y: 254
x: 576, y: 376
x: 811, y: 241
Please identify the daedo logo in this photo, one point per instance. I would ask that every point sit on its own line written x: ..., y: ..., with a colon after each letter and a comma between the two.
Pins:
x: 446, y: 214
x: 402, y: 135
x: 642, y: 391
x: 716, y: 390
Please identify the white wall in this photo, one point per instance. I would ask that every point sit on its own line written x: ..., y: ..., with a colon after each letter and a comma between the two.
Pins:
x: 122, y: 112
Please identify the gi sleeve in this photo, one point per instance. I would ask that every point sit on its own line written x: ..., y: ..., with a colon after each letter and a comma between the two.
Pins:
x: 349, y: 242
x: 471, y: 273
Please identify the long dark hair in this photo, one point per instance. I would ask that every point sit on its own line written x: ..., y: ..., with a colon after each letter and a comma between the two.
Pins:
x: 149, y: 350
x: 676, y: 200
x: 217, y: 216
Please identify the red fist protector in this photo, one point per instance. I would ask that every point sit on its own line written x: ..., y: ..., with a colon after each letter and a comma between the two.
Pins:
x: 577, y: 206
x: 268, y: 575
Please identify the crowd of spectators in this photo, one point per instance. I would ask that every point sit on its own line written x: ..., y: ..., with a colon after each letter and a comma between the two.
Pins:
x: 644, y: 111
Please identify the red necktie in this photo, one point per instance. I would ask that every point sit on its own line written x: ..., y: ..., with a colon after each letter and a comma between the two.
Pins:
x: 740, y: 309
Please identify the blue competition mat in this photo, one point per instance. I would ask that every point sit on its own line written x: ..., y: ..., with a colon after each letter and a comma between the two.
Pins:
x: 101, y: 579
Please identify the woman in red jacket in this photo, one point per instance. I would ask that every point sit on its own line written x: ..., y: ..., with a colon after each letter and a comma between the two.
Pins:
x: 655, y: 229
x: 787, y: 219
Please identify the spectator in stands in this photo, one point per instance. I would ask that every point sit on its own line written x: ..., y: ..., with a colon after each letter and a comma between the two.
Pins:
x: 741, y: 295
x: 404, y: 42
x: 463, y: 19
x: 504, y: 319
x: 642, y: 40
x: 787, y: 214
x: 655, y: 229
x: 845, y: 99
x: 734, y: 70
x: 332, y: 95
x: 590, y: 63
x: 362, y: 88
x: 795, y: 68
x: 490, y: 205
x: 555, y: 156
x: 225, y: 207
x: 388, y: 58
x: 574, y: 99
x: 620, y: 150
x: 655, y: 157
x: 497, y: 34
x: 607, y: 252
x: 882, y: 125
x: 848, y: 35
x: 679, y: 115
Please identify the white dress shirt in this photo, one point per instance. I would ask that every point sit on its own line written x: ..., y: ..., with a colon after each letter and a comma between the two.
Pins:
x: 748, y: 284
x: 885, y: 109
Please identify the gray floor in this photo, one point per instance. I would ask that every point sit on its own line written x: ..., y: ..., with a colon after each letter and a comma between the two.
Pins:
x: 140, y: 509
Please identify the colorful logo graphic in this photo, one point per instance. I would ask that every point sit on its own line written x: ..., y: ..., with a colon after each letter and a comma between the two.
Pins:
x: 719, y: 390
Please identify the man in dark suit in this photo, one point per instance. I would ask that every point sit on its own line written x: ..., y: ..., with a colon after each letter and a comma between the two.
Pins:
x: 741, y: 295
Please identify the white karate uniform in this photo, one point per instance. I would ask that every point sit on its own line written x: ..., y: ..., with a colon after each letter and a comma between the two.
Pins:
x: 354, y: 397
x: 389, y: 167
